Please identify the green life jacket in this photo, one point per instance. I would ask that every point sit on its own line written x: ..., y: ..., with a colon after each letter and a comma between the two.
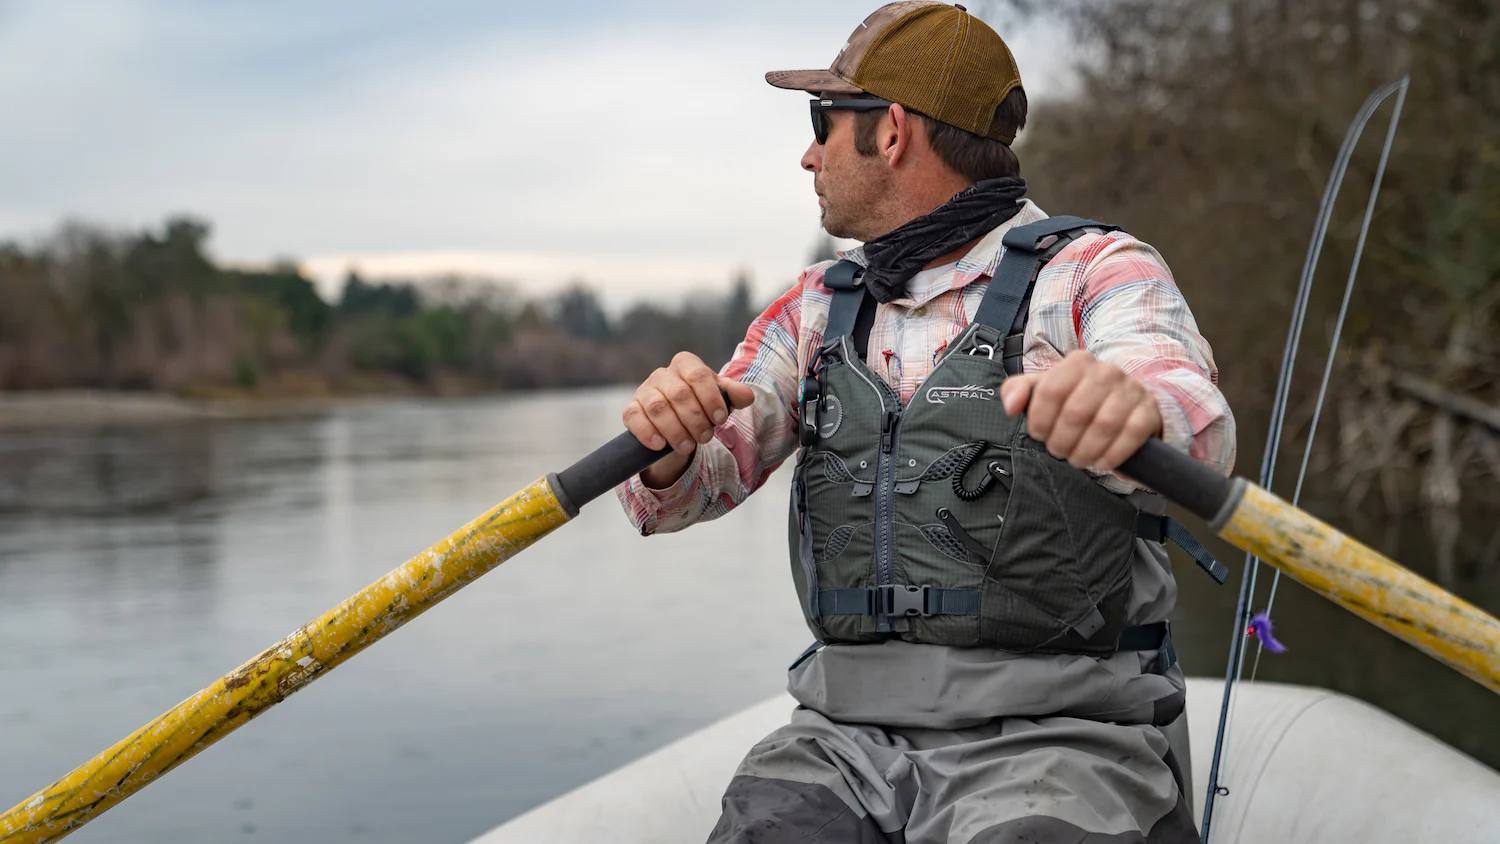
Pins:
x: 940, y: 521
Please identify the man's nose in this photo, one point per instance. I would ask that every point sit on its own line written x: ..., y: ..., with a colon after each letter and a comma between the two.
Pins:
x: 812, y: 160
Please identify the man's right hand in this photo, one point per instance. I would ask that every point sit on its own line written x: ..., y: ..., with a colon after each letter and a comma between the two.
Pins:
x: 680, y: 405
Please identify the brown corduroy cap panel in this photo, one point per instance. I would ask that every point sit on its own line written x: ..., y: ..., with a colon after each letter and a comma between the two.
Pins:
x: 931, y: 57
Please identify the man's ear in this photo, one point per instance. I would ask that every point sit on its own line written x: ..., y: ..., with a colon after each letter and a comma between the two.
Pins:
x: 896, y: 142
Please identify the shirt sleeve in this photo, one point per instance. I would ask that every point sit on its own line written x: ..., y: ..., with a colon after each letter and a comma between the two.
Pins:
x: 751, y: 444
x: 1129, y: 312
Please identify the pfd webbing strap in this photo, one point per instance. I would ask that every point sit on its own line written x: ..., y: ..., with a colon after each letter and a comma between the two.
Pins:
x: 1151, y: 637
x: 852, y: 309
x: 843, y: 278
x: 1000, y: 309
x: 1162, y: 528
x: 1146, y: 637
x: 893, y: 600
x: 1012, y: 349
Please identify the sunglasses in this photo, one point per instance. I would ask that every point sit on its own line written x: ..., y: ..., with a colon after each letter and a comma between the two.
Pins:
x: 820, y: 107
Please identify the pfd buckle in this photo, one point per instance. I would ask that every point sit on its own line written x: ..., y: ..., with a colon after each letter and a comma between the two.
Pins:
x: 902, y: 600
x: 810, y: 394
x: 986, y: 349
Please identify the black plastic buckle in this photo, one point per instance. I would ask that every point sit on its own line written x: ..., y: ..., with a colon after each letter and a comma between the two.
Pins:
x: 902, y: 600
x: 811, y: 398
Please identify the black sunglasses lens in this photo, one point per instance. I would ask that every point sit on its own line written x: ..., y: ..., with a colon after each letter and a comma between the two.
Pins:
x: 820, y: 127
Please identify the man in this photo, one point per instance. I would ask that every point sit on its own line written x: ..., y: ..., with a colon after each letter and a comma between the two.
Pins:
x: 992, y: 664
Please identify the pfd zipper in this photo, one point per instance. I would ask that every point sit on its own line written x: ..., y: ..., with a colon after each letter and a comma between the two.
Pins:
x: 885, y: 521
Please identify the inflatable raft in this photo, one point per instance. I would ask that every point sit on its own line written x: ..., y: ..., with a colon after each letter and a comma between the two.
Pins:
x: 1305, y: 766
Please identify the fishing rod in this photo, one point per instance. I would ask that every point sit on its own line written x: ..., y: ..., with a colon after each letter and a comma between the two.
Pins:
x: 1338, y: 330
x: 1248, y: 575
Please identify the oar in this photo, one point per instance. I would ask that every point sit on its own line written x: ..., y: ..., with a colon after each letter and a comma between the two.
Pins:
x: 1247, y: 516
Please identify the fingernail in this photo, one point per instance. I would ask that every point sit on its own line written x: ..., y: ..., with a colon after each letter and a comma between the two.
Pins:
x: 704, y: 437
x: 719, y: 417
x: 657, y: 443
x: 685, y: 446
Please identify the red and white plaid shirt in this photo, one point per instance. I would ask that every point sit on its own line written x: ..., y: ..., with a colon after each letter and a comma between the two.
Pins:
x: 1110, y: 294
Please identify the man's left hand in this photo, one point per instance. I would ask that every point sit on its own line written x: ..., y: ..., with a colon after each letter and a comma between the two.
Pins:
x: 1086, y: 411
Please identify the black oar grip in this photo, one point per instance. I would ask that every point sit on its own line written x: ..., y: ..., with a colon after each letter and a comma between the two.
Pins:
x: 1180, y: 478
x: 608, y: 466
x: 605, y: 468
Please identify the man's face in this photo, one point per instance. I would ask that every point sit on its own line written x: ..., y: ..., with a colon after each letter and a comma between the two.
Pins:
x: 851, y: 188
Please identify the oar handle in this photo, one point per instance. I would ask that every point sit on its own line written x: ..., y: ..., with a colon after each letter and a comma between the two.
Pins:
x: 608, y: 466
x: 1180, y: 478
x: 605, y: 468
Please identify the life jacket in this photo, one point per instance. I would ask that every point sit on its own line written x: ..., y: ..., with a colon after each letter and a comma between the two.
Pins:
x: 941, y: 521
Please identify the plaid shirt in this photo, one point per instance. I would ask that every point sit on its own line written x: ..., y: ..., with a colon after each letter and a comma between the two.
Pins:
x: 1110, y: 294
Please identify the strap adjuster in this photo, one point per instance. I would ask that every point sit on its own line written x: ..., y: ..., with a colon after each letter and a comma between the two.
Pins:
x: 1151, y: 527
x: 901, y: 600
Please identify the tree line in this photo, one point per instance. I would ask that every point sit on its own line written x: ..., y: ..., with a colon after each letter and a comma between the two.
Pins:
x: 151, y: 311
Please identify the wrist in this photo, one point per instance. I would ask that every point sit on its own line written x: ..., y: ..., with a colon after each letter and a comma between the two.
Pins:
x: 667, y: 471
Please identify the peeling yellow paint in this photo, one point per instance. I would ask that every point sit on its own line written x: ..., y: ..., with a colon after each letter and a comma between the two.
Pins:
x: 177, y: 735
x: 1368, y: 584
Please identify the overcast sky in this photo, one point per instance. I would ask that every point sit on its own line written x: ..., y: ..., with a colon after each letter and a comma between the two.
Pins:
x: 634, y: 144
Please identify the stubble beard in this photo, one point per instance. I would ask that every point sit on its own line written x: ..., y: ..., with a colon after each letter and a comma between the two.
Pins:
x: 854, y: 216
x: 836, y: 228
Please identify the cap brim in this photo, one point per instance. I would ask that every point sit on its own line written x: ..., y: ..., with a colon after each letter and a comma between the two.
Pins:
x: 812, y: 81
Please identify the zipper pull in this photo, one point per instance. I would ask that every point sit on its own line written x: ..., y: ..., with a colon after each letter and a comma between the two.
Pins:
x: 888, y: 430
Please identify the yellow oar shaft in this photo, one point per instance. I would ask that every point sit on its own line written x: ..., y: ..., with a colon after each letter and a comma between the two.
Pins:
x: 1366, y: 583
x: 181, y: 732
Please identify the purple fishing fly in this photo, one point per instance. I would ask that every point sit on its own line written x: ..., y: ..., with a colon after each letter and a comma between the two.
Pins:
x: 1260, y: 628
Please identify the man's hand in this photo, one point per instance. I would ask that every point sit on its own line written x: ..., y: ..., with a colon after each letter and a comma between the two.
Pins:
x: 679, y: 405
x: 1088, y: 412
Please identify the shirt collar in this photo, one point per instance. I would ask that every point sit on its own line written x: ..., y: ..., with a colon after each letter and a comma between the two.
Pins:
x: 979, y: 262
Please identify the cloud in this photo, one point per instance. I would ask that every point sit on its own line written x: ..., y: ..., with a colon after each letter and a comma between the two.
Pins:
x: 334, y: 132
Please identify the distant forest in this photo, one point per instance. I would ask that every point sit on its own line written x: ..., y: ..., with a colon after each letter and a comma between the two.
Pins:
x: 150, y: 311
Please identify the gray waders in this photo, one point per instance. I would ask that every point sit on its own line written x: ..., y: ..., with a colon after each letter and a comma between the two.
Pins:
x: 941, y: 523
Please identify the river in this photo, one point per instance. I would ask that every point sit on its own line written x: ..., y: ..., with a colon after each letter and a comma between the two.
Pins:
x: 139, y: 563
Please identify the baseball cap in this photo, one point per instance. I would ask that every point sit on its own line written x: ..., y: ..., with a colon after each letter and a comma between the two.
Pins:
x: 930, y: 57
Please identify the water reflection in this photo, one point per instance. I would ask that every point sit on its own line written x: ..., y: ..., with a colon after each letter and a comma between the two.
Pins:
x: 138, y: 564
x: 111, y: 472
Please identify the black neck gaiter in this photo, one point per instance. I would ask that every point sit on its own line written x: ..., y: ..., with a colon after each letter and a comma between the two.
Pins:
x: 893, y: 258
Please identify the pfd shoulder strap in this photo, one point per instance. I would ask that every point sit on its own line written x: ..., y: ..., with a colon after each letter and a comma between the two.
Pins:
x: 1006, y: 304
x: 852, y: 310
